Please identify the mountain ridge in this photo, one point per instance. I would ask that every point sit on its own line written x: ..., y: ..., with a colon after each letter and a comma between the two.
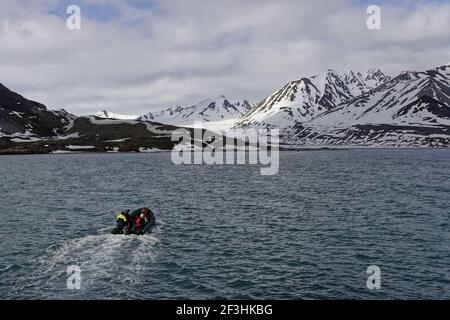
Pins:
x: 23, y: 118
x: 208, y: 110
x: 413, y: 106
x: 303, y: 99
x: 330, y: 109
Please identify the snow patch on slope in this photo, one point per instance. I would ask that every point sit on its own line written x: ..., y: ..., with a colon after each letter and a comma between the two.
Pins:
x: 217, y: 113
x: 110, y: 115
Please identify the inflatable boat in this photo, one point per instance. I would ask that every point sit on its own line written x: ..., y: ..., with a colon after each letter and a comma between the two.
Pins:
x: 151, y: 221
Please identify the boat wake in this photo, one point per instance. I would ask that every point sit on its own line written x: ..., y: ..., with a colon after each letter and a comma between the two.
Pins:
x: 108, y: 264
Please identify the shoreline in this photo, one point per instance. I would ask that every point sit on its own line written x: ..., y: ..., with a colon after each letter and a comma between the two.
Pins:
x: 79, y: 152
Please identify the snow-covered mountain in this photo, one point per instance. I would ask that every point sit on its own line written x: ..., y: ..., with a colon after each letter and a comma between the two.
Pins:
x: 410, y: 109
x: 375, y: 77
x: 28, y: 127
x: 213, y: 113
x: 346, y: 109
x: 302, y: 100
x: 217, y: 113
x: 409, y: 99
x: 110, y: 115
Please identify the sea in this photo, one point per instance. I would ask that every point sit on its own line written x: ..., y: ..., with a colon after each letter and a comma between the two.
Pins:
x: 332, y: 224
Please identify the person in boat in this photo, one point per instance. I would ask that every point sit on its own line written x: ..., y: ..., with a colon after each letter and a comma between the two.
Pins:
x: 123, y: 221
x: 140, y: 221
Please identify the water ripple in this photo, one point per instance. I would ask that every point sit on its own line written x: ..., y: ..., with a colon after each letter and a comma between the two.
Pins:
x: 309, y: 232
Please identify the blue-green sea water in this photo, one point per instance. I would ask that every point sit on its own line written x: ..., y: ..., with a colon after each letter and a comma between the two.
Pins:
x: 228, y: 232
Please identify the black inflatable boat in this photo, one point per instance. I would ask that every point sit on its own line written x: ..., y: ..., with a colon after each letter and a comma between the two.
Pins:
x: 151, y: 221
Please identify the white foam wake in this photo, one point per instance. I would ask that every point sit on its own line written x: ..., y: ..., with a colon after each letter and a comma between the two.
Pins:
x: 107, y: 262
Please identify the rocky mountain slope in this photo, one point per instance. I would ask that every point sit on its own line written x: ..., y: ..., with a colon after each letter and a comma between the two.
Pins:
x: 412, y: 109
x: 29, y: 127
x: 302, y: 100
x: 21, y: 118
x: 332, y: 109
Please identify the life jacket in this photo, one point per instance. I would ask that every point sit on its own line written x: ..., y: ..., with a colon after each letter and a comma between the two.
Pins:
x: 122, y: 217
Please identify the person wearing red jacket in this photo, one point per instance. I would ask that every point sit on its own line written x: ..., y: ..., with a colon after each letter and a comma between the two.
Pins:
x: 140, y: 221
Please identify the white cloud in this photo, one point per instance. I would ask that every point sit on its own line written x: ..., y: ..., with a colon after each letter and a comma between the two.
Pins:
x: 179, y: 52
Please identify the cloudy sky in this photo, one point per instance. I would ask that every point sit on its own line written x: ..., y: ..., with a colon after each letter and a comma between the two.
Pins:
x: 137, y: 56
